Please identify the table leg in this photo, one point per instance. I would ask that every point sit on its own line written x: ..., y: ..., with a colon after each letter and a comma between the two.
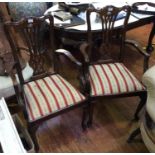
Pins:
x: 149, y: 47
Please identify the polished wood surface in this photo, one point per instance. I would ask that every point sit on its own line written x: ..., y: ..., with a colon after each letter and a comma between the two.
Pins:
x: 112, y: 124
x: 112, y: 118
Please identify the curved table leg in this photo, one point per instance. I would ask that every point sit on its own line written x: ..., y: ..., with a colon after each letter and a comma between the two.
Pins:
x: 149, y: 47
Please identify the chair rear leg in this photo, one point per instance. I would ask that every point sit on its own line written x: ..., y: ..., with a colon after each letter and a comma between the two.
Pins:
x: 32, y: 131
x: 91, y: 110
x: 84, y: 117
x: 143, y: 98
x: 133, y: 135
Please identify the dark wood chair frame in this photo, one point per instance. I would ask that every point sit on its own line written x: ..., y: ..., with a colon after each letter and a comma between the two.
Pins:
x: 108, y: 16
x: 29, y: 28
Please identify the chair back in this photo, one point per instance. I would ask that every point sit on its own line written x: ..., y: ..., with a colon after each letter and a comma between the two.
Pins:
x: 38, y: 48
x: 112, y: 30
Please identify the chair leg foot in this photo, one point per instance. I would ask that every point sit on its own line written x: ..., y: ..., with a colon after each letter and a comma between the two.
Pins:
x: 84, y: 117
x: 32, y: 131
x: 89, y: 123
x: 90, y: 120
x: 133, y: 135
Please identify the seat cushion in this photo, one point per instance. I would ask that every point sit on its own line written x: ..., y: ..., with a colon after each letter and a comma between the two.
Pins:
x: 49, y: 95
x: 111, y: 79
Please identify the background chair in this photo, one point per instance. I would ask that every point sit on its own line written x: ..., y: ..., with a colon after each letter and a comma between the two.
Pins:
x: 147, y: 121
x: 105, y: 73
x: 46, y: 94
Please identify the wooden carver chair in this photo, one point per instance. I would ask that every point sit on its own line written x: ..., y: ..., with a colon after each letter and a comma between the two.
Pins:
x: 105, y: 76
x: 46, y: 94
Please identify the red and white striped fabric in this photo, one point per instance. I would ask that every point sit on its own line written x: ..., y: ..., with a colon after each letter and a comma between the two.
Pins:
x: 110, y: 79
x: 48, y: 95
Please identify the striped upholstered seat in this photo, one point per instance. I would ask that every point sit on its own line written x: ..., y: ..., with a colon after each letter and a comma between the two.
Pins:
x: 111, y: 79
x: 49, y: 95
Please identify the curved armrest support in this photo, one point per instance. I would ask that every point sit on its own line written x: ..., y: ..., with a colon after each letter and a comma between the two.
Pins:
x: 141, y: 51
x: 83, y: 49
x: 68, y: 55
x: 84, y: 80
x: 138, y: 47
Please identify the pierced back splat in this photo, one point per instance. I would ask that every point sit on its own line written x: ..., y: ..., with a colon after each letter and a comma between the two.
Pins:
x: 107, y: 17
x: 31, y: 30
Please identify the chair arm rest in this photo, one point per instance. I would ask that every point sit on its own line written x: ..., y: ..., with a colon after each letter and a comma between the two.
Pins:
x: 82, y: 67
x: 141, y: 51
x: 86, y: 80
x: 137, y: 46
x: 68, y: 55
x: 83, y: 50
